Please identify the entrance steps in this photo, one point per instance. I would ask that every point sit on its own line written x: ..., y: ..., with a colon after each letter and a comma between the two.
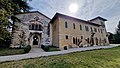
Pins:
x: 36, y: 50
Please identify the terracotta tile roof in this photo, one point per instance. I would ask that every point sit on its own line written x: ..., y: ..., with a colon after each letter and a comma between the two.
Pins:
x: 66, y: 16
x: 99, y: 18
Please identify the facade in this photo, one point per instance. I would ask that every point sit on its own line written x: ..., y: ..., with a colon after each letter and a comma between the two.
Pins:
x: 72, y: 32
x: 36, y: 29
x: 32, y: 30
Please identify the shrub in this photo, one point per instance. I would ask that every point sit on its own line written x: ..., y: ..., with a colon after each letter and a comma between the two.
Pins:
x: 65, y: 47
x: 42, y: 46
x: 27, y: 48
x: 45, y: 48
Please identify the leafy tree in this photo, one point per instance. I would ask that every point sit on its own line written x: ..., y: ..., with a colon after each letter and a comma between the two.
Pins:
x: 117, y: 35
x: 118, y: 29
x: 8, y: 10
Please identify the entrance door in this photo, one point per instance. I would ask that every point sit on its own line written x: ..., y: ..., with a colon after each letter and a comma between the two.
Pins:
x: 35, y: 41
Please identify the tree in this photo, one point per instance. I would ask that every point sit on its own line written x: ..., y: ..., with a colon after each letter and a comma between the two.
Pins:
x: 8, y: 10
x: 118, y: 29
x: 117, y: 34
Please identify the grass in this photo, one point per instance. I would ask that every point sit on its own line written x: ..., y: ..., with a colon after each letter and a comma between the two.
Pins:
x: 105, y: 58
x: 7, y: 51
x: 53, y: 49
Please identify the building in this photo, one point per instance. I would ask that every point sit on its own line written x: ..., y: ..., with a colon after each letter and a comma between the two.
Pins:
x: 61, y: 31
x: 32, y: 30
x: 72, y: 32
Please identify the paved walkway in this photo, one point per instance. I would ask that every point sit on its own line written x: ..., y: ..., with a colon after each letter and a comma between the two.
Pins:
x: 39, y: 54
x: 36, y: 50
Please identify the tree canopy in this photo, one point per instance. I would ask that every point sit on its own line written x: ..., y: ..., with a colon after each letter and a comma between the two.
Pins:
x: 8, y: 9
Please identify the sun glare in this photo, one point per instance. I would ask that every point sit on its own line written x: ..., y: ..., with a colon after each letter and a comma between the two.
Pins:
x: 73, y: 8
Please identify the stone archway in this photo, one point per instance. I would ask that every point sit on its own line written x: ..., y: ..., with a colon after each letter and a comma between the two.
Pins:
x: 35, y: 40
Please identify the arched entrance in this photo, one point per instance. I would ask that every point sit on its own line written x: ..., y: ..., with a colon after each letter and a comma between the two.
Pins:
x: 35, y: 40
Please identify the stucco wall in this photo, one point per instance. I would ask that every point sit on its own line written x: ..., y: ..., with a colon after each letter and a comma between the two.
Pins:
x: 77, y: 33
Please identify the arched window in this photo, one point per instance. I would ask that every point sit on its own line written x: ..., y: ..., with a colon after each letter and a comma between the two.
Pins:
x: 35, y: 27
x: 76, y: 40
x: 73, y: 40
x: 40, y: 28
x: 80, y: 27
x: 32, y: 26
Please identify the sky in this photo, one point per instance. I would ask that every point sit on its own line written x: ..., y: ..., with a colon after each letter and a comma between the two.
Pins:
x: 88, y: 9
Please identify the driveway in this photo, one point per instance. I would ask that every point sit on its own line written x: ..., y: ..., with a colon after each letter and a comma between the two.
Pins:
x: 37, y: 53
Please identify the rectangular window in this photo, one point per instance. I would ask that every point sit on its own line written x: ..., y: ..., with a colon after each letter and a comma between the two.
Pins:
x: 86, y: 28
x: 95, y: 29
x: 101, y: 31
x: 98, y: 30
x: 73, y: 26
x: 80, y: 27
x: 66, y: 36
x: 91, y: 29
x: 81, y: 37
x: 66, y: 26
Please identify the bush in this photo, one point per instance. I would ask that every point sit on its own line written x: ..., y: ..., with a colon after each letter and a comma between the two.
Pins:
x: 45, y: 48
x: 42, y: 46
x: 65, y: 47
x: 27, y: 48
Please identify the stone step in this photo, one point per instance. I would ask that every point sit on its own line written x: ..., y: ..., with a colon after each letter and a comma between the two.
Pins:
x: 36, y: 50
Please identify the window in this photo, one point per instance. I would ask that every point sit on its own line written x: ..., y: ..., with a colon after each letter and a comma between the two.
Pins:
x: 73, y: 26
x: 101, y: 31
x: 95, y: 29
x: 66, y: 36
x: 35, y: 27
x: 40, y: 27
x: 81, y: 37
x: 80, y: 27
x: 91, y: 29
x: 76, y: 40
x: 98, y: 30
x: 73, y: 40
x: 102, y: 24
x: 86, y: 28
x: 32, y: 26
x: 66, y: 26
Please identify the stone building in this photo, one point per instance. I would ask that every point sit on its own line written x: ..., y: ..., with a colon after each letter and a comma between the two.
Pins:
x: 36, y: 29
x: 32, y: 30
x: 72, y: 32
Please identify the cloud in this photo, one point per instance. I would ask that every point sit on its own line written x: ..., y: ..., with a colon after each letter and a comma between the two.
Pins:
x: 112, y: 23
x: 87, y: 9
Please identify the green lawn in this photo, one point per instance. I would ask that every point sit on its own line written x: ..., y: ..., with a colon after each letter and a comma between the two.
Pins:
x: 105, y: 58
x: 53, y: 49
x: 7, y: 51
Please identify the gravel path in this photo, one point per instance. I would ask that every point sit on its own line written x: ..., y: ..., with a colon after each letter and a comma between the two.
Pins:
x: 39, y: 54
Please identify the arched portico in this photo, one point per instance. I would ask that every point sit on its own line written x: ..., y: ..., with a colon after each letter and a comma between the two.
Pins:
x: 35, y: 40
